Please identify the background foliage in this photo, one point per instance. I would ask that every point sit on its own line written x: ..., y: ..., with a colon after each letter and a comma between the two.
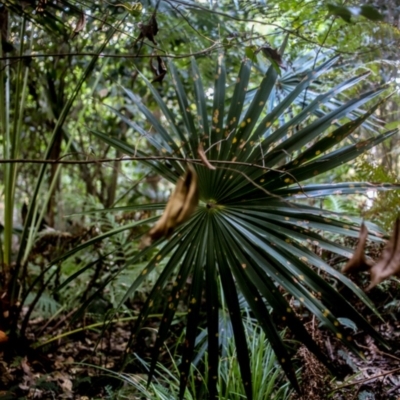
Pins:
x: 75, y: 84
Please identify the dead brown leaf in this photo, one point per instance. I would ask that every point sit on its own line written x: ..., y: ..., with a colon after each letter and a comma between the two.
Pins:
x: 272, y: 55
x: 387, y: 266
x: 358, y: 262
x: 3, y: 337
x: 149, y: 30
x: 389, y: 263
x: 203, y: 157
x: 80, y: 25
x: 180, y: 206
x: 160, y: 71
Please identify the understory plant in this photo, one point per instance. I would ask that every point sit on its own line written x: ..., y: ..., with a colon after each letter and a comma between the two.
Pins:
x: 14, y: 105
x: 253, y: 229
x: 268, y: 379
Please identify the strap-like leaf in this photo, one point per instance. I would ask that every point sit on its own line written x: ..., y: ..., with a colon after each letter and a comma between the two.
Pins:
x: 298, y: 256
x: 172, y: 304
x: 156, y: 165
x: 195, y: 300
x: 254, y: 300
x: 266, y: 122
x: 336, y: 158
x: 169, y: 116
x: 191, y: 131
x: 310, y: 132
x: 202, y: 114
x: 217, y: 117
x: 231, y: 297
x: 166, y: 142
x: 329, y: 189
x: 212, y: 304
x: 254, y: 111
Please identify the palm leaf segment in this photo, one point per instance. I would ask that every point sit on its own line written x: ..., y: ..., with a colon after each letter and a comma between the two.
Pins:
x: 248, y: 235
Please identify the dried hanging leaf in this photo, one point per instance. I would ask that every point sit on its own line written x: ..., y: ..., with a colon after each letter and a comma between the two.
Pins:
x: 272, y: 55
x: 358, y: 262
x: 149, y: 30
x: 80, y: 25
x: 41, y: 6
x: 202, y: 155
x: 180, y: 206
x: 389, y: 263
x: 159, y: 71
x: 3, y: 337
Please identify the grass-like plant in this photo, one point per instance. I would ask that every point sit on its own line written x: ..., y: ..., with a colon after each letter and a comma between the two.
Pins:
x: 267, y: 383
x: 13, y: 104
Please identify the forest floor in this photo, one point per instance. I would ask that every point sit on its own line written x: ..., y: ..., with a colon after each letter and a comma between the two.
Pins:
x: 58, y: 360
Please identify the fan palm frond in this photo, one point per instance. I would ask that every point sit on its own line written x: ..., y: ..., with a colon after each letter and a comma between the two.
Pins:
x: 252, y: 231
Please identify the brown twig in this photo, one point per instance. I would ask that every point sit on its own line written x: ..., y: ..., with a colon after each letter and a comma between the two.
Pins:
x: 365, y: 380
x: 134, y: 158
x: 156, y: 158
x: 131, y: 158
x: 379, y: 351
x: 268, y: 193
x: 215, y: 46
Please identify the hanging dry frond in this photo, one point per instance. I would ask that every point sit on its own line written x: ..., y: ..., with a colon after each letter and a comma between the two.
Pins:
x: 80, y: 25
x: 389, y: 263
x: 3, y: 337
x: 150, y: 30
x: 203, y: 157
x: 180, y: 206
x: 387, y: 266
x: 358, y: 262
x: 159, y: 71
x: 272, y: 55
